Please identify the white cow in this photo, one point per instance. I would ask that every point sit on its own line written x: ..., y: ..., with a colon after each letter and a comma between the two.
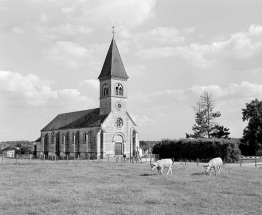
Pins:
x: 161, y: 164
x: 216, y: 164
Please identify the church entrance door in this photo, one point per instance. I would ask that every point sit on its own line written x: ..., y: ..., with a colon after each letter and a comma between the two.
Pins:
x: 119, y: 145
x: 118, y: 148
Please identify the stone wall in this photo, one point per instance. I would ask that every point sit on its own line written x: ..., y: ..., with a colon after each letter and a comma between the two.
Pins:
x: 50, y: 139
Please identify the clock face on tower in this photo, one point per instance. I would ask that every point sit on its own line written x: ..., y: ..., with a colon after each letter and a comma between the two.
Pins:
x: 118, y: 106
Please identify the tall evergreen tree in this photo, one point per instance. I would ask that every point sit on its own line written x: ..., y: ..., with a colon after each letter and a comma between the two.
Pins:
x: 205, y: 126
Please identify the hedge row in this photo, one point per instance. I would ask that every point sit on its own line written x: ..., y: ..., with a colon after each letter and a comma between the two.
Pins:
x: 192, y: 149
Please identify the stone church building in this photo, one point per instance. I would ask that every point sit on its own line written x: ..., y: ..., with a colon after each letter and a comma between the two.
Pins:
x: 107, y: 130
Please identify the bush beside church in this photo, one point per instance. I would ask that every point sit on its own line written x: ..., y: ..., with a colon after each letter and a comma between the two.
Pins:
x: 193, y: 149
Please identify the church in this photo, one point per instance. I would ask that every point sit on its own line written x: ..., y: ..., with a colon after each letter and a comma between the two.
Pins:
x: 95, y: 133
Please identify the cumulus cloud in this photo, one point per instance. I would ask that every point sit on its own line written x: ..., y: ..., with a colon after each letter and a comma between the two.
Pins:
x: 241, y: 51
x: 27, y: 91
x: 136, y: 70
x: 162, y: 35
x: 46, y: 33
x: 118, y: 12
x: 244, y: 91
x: 104, y: 12
x: 67, y: 53
x: 90, y: 82
x: 143, y: 120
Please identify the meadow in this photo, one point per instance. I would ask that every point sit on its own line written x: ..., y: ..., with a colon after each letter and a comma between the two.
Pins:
x: 88, y: 187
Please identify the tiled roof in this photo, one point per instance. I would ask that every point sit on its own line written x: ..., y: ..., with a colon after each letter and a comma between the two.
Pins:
x: 113, y: 65
x: 79, y: 119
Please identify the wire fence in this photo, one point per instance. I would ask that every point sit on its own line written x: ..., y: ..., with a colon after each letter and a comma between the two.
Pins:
x: 42, y: 157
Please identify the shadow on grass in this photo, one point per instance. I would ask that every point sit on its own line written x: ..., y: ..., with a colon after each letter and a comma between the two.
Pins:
x: 199, y: 173
x: 146, y: 174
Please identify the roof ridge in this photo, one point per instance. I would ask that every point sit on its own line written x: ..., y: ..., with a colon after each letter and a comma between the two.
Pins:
x: 130, y: 118
x: 78, y: 111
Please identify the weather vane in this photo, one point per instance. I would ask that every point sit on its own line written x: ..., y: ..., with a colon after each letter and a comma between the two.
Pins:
x: 113, y: 31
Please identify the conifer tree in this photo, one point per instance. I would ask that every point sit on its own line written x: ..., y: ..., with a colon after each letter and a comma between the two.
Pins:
x: 206, y: 126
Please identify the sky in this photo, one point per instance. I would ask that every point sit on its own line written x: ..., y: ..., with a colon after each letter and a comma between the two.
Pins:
x: 52, y: 52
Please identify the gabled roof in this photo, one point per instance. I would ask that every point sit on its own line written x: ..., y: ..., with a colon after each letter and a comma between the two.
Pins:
x: 113, y: 65
x: 130, y: 118
x: 79, y: 119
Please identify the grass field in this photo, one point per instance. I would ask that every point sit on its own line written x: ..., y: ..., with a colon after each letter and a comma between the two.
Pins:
x: 127, y: 188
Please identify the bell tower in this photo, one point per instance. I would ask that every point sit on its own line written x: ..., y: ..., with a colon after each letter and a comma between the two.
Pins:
x: 113, y: 83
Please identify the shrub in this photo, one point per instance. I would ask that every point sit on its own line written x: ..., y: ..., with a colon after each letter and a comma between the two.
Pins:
x: 200, y: 148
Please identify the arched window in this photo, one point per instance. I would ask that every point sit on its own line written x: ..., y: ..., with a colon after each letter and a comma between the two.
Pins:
x: 119, y: 90
x: 63, y: 139
x: 85, y: 138
x: 134, y: 142
x: 119, y: 122
x: 105, y: 90
x: 52, y: 138
x: 73, y: 138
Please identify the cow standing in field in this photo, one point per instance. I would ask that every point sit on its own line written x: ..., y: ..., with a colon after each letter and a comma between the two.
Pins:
x: 161, y: 164
x: 216, y: 164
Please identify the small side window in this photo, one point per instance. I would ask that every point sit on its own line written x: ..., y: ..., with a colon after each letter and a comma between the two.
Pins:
x: 105, y: 90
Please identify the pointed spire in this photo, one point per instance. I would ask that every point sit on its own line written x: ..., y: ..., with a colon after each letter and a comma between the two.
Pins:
x: 113, y: 65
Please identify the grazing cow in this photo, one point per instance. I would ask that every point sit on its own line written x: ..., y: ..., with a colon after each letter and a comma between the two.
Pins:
x: 161, y: 164
x: 216, y: 164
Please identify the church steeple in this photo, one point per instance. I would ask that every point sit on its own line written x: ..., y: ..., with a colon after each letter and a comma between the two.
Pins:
x: 113, y: 83
x: 113, y: 65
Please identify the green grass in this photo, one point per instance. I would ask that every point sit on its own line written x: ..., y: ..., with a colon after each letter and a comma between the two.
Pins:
x: 124, y: 188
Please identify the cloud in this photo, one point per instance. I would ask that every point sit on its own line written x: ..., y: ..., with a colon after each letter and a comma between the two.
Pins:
x: 136, y: 70
x: 91, y: 83
x: 242, y: 51
x: 61, y: 30
x: 244, y: 91
x: 17, y: 30
x: 162, y: 35
x: 103, y: 13
x: 17, y: 91
x: 118, y: 12
x: 67, y: 53
x: 143, y: 120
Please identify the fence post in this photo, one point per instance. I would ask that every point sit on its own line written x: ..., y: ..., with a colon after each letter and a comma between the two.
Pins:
x: 255, y: 161
x: 185, y: 161
x: 78, y: 158
x: 197, y: 161
x: 16, y: 158
x: 240, y: 161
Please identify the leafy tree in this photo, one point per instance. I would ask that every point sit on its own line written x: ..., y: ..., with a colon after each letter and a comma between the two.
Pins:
x: 252, y: 134
x: 220, y: 132
x: 145, y: 145
x: 205, y: 116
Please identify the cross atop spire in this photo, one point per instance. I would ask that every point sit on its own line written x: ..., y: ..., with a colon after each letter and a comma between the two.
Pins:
x: 113, y: 31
